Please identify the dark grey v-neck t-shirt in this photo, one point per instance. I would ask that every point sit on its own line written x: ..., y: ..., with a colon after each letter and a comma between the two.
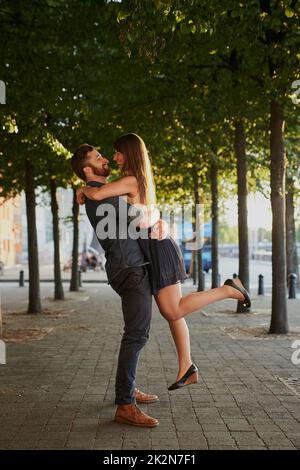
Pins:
x: 120, y: 253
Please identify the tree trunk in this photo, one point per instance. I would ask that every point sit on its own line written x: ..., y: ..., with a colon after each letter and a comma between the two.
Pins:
x: 291, y: 242
x: 240, y: 151
x: 58, y: 291
x: 193, y: 266
x: 198, y: 252
x: 34, y: 305
x: 74, y: 285
x: 201, y: 279
x: 279, y: 320
x: 215, y: 223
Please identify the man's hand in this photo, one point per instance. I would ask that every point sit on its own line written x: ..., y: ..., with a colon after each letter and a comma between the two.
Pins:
x: 159, y: 230
x: 80, y: 196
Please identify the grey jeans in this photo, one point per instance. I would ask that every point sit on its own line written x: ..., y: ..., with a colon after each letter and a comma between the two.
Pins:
x: 133, y: 286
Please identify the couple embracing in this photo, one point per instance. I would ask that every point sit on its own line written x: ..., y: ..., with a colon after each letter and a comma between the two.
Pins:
x: 139, y: 268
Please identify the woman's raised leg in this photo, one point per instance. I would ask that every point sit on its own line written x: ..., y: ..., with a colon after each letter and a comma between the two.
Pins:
x: 173, y: 306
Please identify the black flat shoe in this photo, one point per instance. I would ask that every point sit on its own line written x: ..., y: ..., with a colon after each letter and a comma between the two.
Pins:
x: 190, y: 377
x: 246, y: 302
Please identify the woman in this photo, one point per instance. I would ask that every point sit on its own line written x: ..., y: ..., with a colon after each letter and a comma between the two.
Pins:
x: 166, y: 263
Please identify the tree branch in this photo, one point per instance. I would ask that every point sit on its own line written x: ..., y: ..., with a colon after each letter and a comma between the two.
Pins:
x: 265, y: 6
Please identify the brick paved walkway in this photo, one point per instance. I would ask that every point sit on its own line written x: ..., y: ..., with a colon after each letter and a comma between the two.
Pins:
x: 58, y: 392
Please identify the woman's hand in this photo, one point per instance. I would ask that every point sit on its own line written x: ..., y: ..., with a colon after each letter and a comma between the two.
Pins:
x: 159, y: 230
x: 80, y: 196
x: 148, y: 215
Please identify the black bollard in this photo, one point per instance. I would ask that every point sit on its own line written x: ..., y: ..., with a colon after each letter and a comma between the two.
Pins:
x: 79, y: 278
x: 203, y: 277
x: 261, y: 287
x: 195, y: 267
x: 21, y: 279
x: 292, y: 285
x: 234, y: 276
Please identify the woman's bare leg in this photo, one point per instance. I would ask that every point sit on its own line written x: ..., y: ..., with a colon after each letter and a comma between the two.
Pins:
x: 173, y: 306
x: 181, y: 337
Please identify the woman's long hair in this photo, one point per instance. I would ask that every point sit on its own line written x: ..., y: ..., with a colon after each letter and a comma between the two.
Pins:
x: 137, y: 163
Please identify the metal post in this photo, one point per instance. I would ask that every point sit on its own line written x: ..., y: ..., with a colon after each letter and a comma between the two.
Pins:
x: 195, y: 271
x: 292, y: 285
x: 21, y: 279
x: 203, y: 277
x: 261, y: 287
x: 79, y: 278
x: 234, y: 276
x: 2, y: 344
x: 1, y: 333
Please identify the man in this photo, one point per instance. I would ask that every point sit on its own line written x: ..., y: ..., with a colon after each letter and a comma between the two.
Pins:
x: 128, y: 275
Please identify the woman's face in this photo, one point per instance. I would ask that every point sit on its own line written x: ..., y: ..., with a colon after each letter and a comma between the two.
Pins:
x: 119, y: 158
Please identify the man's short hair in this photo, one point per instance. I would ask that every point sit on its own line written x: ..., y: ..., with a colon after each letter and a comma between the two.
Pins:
x: 80, y: 159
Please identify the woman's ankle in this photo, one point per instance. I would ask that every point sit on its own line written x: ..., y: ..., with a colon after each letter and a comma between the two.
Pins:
x: 184, y: 367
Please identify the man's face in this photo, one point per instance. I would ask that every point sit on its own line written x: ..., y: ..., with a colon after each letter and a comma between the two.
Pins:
x: 97, y: 164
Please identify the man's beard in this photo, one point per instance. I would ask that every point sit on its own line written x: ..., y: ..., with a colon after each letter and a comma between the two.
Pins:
x: 103, y: 171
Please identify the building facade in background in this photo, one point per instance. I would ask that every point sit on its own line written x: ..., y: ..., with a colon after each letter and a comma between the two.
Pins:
x: 13, y: 229
x: 10, y: 231
x: 45, y: 229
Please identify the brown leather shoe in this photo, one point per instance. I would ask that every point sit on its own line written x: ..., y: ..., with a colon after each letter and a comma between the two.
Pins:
x: 142, y: 397
x: 131, y: 414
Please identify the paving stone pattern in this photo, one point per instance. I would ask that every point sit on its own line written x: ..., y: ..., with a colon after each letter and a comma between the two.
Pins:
x: 58, y: 392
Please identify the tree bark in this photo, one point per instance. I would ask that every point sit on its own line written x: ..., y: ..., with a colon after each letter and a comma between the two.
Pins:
x: 58, y: 290
x: 74, y: 285
x: 201, y: 274
x: 215, y: 223
x: 198, y: 252
x: 279, y: 320
x: 240, y: 151
x: 34, y: 304
x: 291, y: 242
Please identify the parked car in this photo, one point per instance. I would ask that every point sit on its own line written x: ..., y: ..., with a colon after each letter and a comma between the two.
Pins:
x: 206, y: 258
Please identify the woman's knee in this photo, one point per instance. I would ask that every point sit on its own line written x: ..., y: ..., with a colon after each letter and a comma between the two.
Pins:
x: 168, y: 302
x: 170, y: 314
